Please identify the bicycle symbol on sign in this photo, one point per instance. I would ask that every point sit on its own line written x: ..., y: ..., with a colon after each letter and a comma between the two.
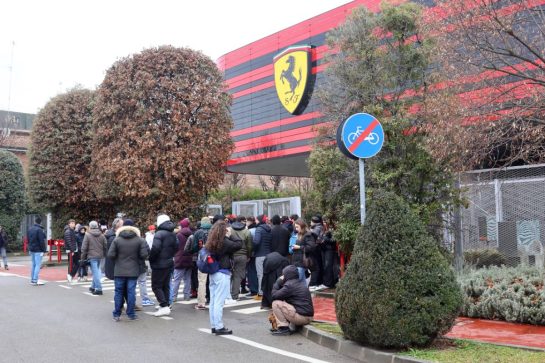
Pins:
x: 372, y: 138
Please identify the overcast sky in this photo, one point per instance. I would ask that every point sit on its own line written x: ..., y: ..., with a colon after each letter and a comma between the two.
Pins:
x: 61, y: 43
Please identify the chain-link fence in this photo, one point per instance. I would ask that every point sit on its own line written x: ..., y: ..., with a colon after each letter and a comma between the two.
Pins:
x: 504, y: 222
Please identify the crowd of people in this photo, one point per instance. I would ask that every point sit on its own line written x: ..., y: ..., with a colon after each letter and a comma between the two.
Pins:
x: 219, y: 259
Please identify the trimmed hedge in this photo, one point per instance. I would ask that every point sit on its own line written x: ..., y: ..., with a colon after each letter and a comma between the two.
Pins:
x: 399, y: 290
x: 484, y: 258
x: 513, y: 294
x: 12, y: 195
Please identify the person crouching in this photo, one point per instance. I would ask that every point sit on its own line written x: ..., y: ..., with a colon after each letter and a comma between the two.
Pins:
x: 292, y: 303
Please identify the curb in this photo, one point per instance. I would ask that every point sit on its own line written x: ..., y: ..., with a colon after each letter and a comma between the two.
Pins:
x: 353, y: 350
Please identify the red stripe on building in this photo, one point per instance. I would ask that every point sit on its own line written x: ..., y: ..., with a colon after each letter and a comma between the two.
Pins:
x: 277, y: 138
x: 269, y: 155
x: 294, y: 34
x: 276, y: 123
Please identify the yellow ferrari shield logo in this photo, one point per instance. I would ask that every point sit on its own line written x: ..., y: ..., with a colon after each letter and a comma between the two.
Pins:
x: 291, y: 77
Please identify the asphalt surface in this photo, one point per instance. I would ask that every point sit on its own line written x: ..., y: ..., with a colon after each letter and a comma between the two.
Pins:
x: 59, y: 322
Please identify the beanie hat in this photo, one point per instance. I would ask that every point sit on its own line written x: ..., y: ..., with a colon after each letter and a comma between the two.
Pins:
x: 184, y: 223
x: 128, y: 222
x: 151, y: 228
x: 262, y: 218
x: 162, y: 219
x: 218, y: 217
x: 205, y: 223
x: 93, y: 224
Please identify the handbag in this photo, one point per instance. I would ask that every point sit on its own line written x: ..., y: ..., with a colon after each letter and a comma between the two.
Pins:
x: 307, y: 260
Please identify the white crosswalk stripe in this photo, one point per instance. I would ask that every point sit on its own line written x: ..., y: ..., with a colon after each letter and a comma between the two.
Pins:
x: 252, y: 310
x: 108, y: 287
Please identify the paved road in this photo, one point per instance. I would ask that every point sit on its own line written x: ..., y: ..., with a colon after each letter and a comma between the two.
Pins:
x: 58, y: 322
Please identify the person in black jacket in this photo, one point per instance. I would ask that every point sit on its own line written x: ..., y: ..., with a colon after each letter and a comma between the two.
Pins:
x: 280, y: 237
x: 292, y: 303
x: 82, y: 268
x: 3, y: 246
x: 71, y: 247
x: 110, y: 236
x: 161, y: 261
x: 272, y: 270
x: 221, y: 248
x: 37, y: 248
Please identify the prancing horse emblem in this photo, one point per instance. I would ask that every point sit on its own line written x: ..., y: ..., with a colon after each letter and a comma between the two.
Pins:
x: 291, y: 77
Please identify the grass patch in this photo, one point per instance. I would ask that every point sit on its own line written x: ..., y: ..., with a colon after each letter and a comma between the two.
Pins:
x: 334, y: 329
x: 464, y: 351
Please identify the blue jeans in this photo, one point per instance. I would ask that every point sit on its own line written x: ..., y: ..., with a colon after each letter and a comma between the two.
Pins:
x: 142, y: 278
x: 220, y: 285
x: 179, y: 274
x: 36, y: 265
x: 123, y: 284
x: 302, y: 276
x: 4, y: 256
x: 95, y: 269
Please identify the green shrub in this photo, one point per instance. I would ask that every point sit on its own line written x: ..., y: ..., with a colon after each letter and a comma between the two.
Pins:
x: 484, y: 258
x: 12, y: 196
x: 399, y: 290
x: 512, y: 294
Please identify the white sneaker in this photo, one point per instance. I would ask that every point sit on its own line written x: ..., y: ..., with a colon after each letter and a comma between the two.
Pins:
x: 162, y: 311
x: 322, y: 287
x: 230, y: 302
x: 40, y: 283
x: 69, y: 278
x: 313, y: 288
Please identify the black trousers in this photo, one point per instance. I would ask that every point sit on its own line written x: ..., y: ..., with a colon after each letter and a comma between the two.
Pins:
x: 160, y: 284
x: 329, y: 275
x: 73, y: 268
x: 317, y: 270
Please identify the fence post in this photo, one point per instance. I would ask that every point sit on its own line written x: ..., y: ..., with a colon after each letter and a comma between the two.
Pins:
x: 458, y: 245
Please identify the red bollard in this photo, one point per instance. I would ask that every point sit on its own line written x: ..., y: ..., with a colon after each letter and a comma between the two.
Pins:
x: 25, y: 244
x: 59, y: 243
x: 50, y: 243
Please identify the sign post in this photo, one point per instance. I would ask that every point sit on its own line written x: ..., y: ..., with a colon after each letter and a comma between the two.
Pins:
x: 361, y: 137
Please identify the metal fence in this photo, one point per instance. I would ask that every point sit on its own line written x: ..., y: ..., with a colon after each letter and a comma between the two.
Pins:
x: 504, y: 222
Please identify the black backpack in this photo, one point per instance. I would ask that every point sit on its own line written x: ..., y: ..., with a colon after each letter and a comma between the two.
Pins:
x: 199, y: 240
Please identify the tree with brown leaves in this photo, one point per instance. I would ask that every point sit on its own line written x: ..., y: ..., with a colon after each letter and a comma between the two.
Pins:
x: 60, y: 159
x: 162, y: 125
x: 489, y: 110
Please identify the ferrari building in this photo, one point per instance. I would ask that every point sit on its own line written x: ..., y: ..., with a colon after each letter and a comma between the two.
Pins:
x: 271, y: 81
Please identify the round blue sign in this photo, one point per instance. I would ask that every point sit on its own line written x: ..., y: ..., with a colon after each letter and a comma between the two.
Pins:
x: 362, y: 135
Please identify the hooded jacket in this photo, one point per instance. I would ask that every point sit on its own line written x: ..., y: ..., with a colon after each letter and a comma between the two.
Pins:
x: 164, y: 247
x: 239, y: 231
x: 94, y: 244
x: 183, y: 259
x: 128, y: 251
x: 293, y: 291
x: 70, y: 241
x: 262, y: 240
x: 272, y: 269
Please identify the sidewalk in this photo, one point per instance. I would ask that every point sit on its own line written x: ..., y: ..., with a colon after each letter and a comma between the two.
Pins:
x: 20, y: 265
x: 491, y: 331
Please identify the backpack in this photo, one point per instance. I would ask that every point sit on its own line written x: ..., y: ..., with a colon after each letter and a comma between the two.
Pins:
x: 199, y: 240
x: 206, y: 262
